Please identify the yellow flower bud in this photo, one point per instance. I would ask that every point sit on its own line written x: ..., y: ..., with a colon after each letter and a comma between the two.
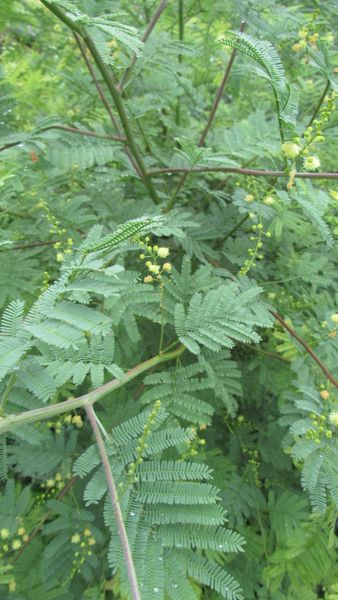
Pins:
x: 75, y: 539
x: 4, y: 534
x: 311, y: 163
x: 148, y: 279
x: 334, y: 318
x: 166, y: 266
x: 290, y: 149
x: 77, y: 420
x: 325, y: 394
x: 269, y: 200
x: 249, y: 198
x: 154, y: 269
x: 163, y: 252
x: 334, y: 418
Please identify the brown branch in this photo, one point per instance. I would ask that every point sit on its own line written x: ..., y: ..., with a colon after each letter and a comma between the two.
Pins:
x: 76, y: 130
x: 241, y: 171
x: 122, y: 533
x: 220, y: 91
x: 144, y: 38
x: 27, y: 246
x: 36, y: 529
x: 307, y: 348
x: 211, y: 117
x: 320, y: 102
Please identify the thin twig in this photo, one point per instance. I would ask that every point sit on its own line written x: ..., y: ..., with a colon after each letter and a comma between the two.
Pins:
x: 220, y: 91
x: 320, y: 102
x: 144, y: 38
x: 76, y: 130
x: 231, y: 232
x: 211, y: 117
x: 128, y: 558
x: 307, y: 348
x: 241, y: 171
x: 265, y: 353
x: 180, y: 56
x: 27, y: 246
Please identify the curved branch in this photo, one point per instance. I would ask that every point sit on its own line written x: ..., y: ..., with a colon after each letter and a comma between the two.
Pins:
x: 307, y: 348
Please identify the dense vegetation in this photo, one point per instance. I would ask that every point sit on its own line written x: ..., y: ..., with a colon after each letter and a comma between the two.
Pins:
x: 168, y: 343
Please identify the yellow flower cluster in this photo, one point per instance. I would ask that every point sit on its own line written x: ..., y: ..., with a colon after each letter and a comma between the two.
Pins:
x: 83, y: 543
x: 64, y: 246
x: 306, y: 38
x: 322, y: 424
x: 12, y: 541
x: 293, y: 149
x: 194, y: 444
x: 141, y: 448
x: 151, y: 255
x: 57, y: 425
x: 255, y: 253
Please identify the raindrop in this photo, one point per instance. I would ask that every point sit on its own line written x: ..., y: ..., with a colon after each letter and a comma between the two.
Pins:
x: 160, y: 558
x: 174, y: 585
x: 156, y: 590
x: 132, y: 514
x: 220, y: 546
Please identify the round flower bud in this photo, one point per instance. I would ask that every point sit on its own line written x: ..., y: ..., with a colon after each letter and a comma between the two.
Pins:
x: 334, y: 418
x: 163, y: 252
x: 311, y: 163
x: 334, y: 318
x: 167, y: 266
x: 269, y: 200
x: 77, y: 420
x: 324, y: 394
x: 148, y: 279
x: 154, y: 269
x: 4, y: 534
x: 290, y: 149
x: 249, y: 198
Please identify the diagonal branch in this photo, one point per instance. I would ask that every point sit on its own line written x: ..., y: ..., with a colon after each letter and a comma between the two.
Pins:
x: 144, y: 38
x: 320, y: 102
x: 128, y: 558
x: 46, y: 412
x: 211, y: 117
x: 307, y: 348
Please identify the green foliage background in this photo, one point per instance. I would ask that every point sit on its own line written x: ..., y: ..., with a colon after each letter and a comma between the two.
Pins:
x: 224, y: 450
